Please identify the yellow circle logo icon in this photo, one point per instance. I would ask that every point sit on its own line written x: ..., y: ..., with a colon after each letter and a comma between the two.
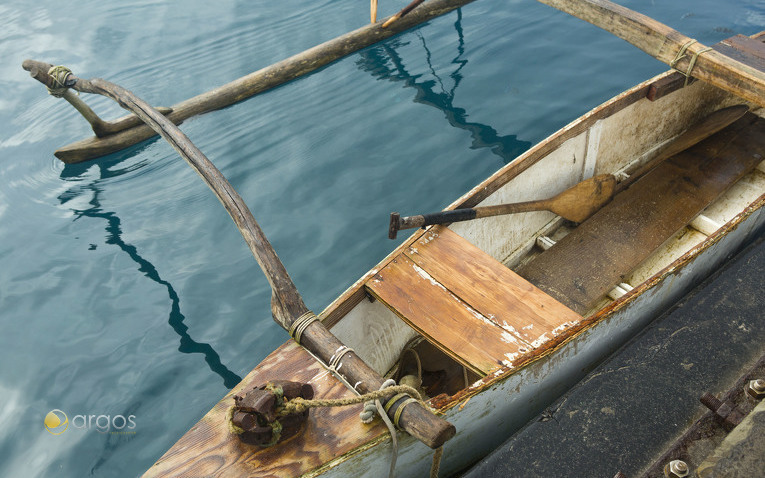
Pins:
x: 56, y: 422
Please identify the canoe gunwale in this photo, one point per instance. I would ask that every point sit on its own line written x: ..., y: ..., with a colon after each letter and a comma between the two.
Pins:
x: 601, y: 315
x: 355, y: 293
x: 334, y: 312
x: 587, y: 331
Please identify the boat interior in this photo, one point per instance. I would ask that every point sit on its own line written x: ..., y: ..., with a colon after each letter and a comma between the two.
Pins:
x: 476, y: 296
x: 457, y: 306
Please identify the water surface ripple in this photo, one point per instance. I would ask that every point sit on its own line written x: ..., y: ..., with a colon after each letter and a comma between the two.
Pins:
x: 125, y: 288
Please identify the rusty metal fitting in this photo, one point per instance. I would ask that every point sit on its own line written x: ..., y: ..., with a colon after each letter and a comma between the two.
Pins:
x: 676, y: 469
x: 257, y: 415
x: 756, y: 389
x: 726, y: 412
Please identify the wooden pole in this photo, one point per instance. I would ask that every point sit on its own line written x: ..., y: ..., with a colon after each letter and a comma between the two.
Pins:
x: 286, y: 303
x: 261, y: 80
x: 669, y: 46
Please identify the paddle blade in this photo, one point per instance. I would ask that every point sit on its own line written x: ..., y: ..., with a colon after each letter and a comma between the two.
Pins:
x: 584, y: 199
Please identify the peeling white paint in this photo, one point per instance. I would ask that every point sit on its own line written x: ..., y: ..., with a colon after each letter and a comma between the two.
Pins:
x: 508, y: 338
x: 424, y: 274
x: 540, y: 340
x: 557, y: 330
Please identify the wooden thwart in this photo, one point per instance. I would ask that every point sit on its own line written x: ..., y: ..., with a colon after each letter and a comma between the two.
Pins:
x: 466, y: 303
x: 604, y: 249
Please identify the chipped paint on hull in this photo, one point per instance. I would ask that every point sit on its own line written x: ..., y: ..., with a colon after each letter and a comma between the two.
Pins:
x: 500, y: 403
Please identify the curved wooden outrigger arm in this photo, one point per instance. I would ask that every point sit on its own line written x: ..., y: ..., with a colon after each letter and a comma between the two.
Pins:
x: 286, y: 303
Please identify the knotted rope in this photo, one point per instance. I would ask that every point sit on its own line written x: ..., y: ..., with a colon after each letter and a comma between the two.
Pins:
x: 371, y: 401
x: 60, y: 74
x: 299, y: 405
x: 681, y: 54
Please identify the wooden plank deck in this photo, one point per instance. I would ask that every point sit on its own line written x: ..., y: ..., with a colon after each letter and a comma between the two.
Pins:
x: 466, y: 303
x: 209, y: 449
x: 596, y: 256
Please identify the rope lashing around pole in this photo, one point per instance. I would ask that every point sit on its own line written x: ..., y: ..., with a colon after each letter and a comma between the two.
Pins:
x: 300, y: 324
x: 334, y: 361
x: 60, y: 74
x: 681, y: 54
x: 372, y: 404
x: 371, y: 400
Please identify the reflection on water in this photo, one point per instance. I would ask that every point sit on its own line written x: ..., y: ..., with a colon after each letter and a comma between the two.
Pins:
x: 114, y: 230
x: 384, y: 62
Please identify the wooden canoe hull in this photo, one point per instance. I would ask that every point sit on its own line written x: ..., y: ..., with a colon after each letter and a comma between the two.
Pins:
x: 491, y: 410
x: 615, y: 136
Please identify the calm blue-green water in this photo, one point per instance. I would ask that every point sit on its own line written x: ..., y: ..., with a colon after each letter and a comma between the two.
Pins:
x: 126, y: 290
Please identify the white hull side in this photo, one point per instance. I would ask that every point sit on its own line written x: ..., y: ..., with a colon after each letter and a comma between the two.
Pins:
x: 491, y: 416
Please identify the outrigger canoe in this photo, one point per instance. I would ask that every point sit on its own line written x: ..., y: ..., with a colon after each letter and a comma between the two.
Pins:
x: 488, y: 321
x: 497, y: 317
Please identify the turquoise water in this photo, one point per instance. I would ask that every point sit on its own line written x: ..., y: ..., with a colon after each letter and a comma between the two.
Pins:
x: 125, y: 289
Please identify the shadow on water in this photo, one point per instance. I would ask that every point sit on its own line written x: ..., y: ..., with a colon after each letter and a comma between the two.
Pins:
x: 114, y: 230
x: 384, y: 63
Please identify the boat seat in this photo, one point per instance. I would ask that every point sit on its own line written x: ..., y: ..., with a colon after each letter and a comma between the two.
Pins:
x: 466, y: 303
x: 581, y: 268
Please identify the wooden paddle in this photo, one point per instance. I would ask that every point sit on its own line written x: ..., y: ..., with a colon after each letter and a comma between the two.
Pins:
x: 286, y: 303
x: 575, y: 204
x: 585, y: 198
x: 669, y: 46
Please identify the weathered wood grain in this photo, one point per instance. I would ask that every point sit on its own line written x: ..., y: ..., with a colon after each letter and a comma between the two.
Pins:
x: 583, y: 266
x: 209, y: 449
x: 664, y: 44
x: 449, y: 323
x: 286, y: 302
x: 493, y: 290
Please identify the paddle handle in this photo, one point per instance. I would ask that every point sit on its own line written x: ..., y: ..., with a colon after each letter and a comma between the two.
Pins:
x: 458, y: 215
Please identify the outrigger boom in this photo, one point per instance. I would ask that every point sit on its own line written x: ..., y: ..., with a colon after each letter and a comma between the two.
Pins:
x: 658, y: 40
x: 287, y: 305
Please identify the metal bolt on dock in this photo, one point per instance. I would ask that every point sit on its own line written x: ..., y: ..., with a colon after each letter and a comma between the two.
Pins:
x: 676, y: 469
x: 756, y: 389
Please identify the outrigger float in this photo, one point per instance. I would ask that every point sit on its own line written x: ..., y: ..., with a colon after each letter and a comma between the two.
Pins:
x: 478, y: 325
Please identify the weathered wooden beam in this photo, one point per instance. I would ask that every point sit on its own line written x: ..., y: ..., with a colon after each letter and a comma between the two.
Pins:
x: 286, y: 303
x: 666, y: 45
x: 261, y: 80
